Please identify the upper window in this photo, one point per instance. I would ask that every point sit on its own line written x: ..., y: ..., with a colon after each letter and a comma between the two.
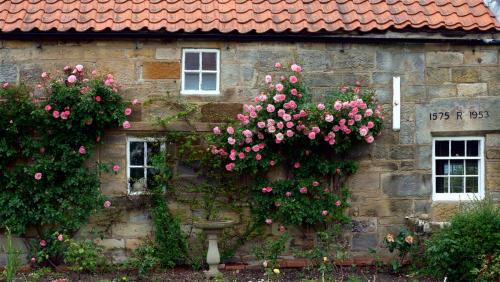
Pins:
x: 140, y: 171
x: 458, y: 168
x: 200, y: 71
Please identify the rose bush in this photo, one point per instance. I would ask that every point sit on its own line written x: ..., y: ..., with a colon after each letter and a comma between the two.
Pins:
x: 283, y: 128
x: 46, y: 139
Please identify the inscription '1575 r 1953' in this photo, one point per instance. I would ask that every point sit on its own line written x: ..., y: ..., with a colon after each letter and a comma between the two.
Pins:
x: 459, y: 115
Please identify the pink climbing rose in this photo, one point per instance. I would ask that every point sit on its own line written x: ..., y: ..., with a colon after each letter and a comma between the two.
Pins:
x: 82, y: 150
x: 38, y: 176
x: 116, y: 168
x: 107, y: 204
x: 128, y: 111
x: 126, y: 124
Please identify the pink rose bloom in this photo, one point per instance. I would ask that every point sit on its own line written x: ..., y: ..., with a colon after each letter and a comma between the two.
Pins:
x: 241, y: 155
x: 277, y: 66
x: 268, y: 78
x: 350, y: 122
x: 230, y: 166
x: 296, y: 165
x: 79, y: 68
x: 116, y: 168
x: 262, y: 98
x: 363, y: 130
x: 269, y: 221
x: 338, y: 105
x: 281, y: 112
x: 247, y: 133
x: 312, y: 135
x: 258, y: 157
x: 253, y: 114
x: 43, y: 243
x: 270, y: 108
x: 38, y: 176
x: 71, y: 79
x: 98, y: 98
x: 261, y: 124
x: 282, y: 78
x: 292, y: 104
x: 267, y: 189
x: 315, y: 183
x: 329, y: 118
x: 289, y: 124
x: 126, y: 124
x: 342, y: 121
x: 65, y: 114
x: 303, y: 113
x: 294, y: 92
x: 321, y: 106
x: 293, y: 79
x: 258, y: 108
x: 216, y: 130
x: 48, y: 108
x: 107, y: 204
x: 55, y: 114
x: 33, y: 260
x: 280, y: 125
x: 287, y: 117
x: 94, y: 72
x: 45, y: 74
x: 338, y: 203
x: 231, y: 140
x: 357, y: 117
x: 128, y: 111
x: 5, y: 85
x: 289, y: 133
x: 271, y: 129
x: 369, y: 139
x: 272, y: 163
x: 296, y: 68
x: 280, y: 136
x: 288, y: 194
x: 369, y: 112
x: 281, y: 228
x: 230, y: 130
x: 279, y: 87
x: 60, y: 237
x: 303, y: 190
x: 82, y: 150
x: 316, y: 129
x: 370, y: 124
x: 324, y: 213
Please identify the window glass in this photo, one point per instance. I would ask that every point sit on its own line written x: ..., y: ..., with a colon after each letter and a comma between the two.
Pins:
x: 441, y: 184
x: 442, y: 148
x: 456, y: 184
x: 209, y: 61
x: 457, y: 148
x: 140, y: 166
x: 136, y: 153
x: 442, y: 167
x: 456, y: 167
x: 472, y: 148
x: 192, y: 61
x: 153, y: 148
x: 192, y: 81
x: 209, y: 81
x: 472, y: 167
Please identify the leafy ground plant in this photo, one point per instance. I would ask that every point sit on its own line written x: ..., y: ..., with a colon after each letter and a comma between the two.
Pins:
x: 404, y: 243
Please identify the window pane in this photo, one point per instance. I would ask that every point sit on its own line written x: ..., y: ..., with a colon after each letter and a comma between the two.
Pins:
x: 442, y: 167
x: 151, y: 174
x: 209, y: 81
x: 192, y: 61
x: 456, y: 167
x: 471, y: 184
x: 471, y: 167
x: 137, y: 181
x: 473, y: 148
x: 442, y: 148
x: 441, y: 184
x: 136, y: 153
x: 153, y: 149
x: 457, y: 148
x: 192, y: 81
x: 456, y: 184
x: 209, y: 61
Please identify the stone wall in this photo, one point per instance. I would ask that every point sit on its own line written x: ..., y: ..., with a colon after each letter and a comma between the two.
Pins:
x: 394, y: 179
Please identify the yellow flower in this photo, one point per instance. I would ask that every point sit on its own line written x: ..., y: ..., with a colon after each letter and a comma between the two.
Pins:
x: 276, y: 271
x: 325, y: 259
x: 390, y: 238
x: 409, y: 239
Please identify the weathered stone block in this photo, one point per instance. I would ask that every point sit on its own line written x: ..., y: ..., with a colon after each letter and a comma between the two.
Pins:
x: 442, y: 91
x: 464, y: 75
x: 364, y: 225
x: 353, y: 59
x: 444, y: 58
x: 8, y: 72
x: 493, y: 153
x: 443, y: 211
x: 363, y: 242
x: 382, y: 208
x: 322, y: 79
x: 422, y: 206
x: 406, y: 185
x: 437, y: 75
x: 404, y: 152
x: 493, y: 140
x: 132, y: 244
x: 424, y: 157
x: 161, y: 70
x: 400, y: 61
x: 480, y: 57
x: 313, y: 60
x: 220, y: 112
x: 109, y: 244
x: 406, y: 136
x: 131, y: 230
x: 472, y: 89
x: 168, y: 53
x: 365, y: 181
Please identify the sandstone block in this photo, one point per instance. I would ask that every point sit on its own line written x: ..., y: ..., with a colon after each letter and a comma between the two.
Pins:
x: 131, y: 230
x: 364, y: 225
x: 424, y: 157
x: 404, y: 152
x: 8, y: 72
x: 109, y: 244
x: 464, y: 75
x: 393, y: 60
x: 444, y: 58
x: 480, y: 57
x: 313, y: 60
x: 443, y: 211
x: 406, y: 185
x: 220, y: 112
x: 437, y: 75
x: 493, y: 140
x: 168, y: 53
x: 161, y: 70
x: 442, y: 91
x: 365, y: 181
x: 132, y: 244
x: 363, y: 242
x: 353, y: 59
x: 472, y: 89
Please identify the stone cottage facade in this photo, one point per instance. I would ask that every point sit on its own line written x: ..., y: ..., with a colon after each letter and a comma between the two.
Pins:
x: 442, y: 149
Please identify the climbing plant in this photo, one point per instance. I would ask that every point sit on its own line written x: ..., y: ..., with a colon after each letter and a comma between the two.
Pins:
x: 47, y: 135
x: 285, y: 133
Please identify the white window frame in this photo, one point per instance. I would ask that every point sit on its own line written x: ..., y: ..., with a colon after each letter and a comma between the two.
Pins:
x: 200, y: 71
x: 145, y: 166
x: 481, y: 171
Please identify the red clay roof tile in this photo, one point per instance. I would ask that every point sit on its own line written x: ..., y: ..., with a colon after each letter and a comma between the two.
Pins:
x: 244, y: 16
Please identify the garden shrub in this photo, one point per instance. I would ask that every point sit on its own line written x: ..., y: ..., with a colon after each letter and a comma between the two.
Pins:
x: 284, y: 129
x: 404, y: 243
x: 83, y: 256
x: 46, y: 141
x: 459, y: 250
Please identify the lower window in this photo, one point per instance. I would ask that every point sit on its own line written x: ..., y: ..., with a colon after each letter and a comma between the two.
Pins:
x: 458, y: 168
x: 140, y: 170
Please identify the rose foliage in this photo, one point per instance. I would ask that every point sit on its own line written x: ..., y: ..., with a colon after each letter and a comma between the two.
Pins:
x: 46, y: 140
x: 285, y: 133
